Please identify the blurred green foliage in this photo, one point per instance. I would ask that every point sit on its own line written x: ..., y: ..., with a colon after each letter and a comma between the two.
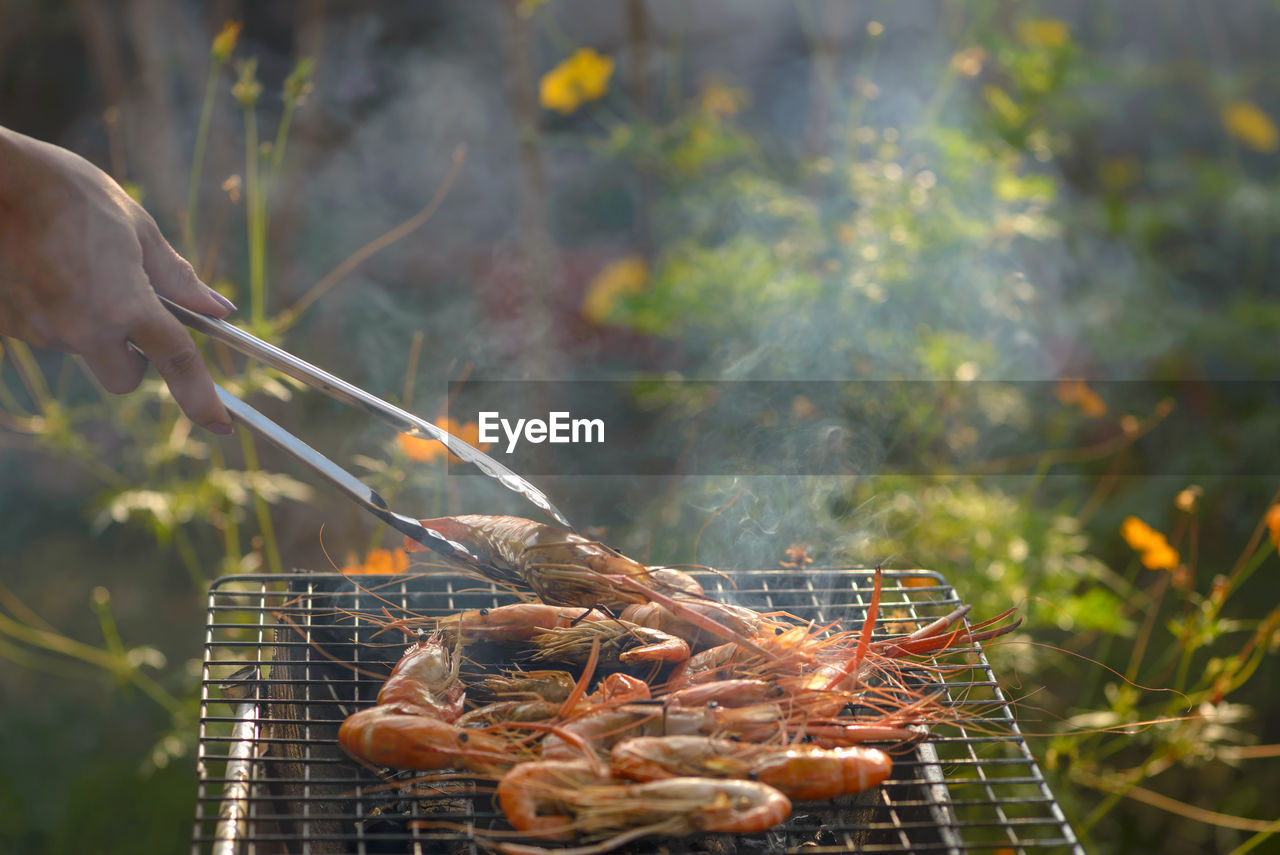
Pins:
x: 1011, y: 225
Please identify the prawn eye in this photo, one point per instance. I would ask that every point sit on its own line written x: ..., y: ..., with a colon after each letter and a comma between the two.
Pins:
x: 776, y: 691
x: 777, y: 630
x: 484, y: 613
x: 464, y: 736
x: 713, y: 705
x: 753, y: 775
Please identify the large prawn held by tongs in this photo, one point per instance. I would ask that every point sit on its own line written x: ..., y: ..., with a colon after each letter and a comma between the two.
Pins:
x: 563, y: 568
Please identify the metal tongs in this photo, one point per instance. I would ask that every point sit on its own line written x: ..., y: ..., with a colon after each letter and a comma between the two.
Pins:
x: 337, y: 388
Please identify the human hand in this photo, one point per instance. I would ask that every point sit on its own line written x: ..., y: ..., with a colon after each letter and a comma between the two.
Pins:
x: 81, y: 264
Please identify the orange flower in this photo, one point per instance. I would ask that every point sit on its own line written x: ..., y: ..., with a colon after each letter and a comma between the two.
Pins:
x: 1161, y: 556
x: 380, y: 561
x: 421, y: 450
x: 1078, y: 392
x: 1272, y: 520
x: 1138, y: 534
x: 1152, y: 547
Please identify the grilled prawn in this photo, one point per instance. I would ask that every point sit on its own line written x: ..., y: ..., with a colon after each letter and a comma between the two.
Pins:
x: 566, y: 569
x: 799, y: 772
x: 556, y: 800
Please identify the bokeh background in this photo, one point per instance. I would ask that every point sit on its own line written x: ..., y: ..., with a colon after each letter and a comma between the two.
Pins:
x: 1048, y: 231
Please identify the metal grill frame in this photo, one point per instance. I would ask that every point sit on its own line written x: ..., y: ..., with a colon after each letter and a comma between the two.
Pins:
x: 968, y: 788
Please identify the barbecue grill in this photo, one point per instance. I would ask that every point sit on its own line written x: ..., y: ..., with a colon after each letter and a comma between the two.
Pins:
x: 284, y: 665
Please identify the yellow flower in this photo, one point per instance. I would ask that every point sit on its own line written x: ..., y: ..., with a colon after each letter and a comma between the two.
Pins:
x: 381, y: 561
x: 1044, y: 32
x: 421, y: 450
x: 1247, y: 123
x: 225, y: 41
x: 621, y: 278
x: 1152, y: 547
x: 582, y: 77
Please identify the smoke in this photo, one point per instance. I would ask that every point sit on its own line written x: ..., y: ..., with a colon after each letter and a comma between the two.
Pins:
x: 895, y: 249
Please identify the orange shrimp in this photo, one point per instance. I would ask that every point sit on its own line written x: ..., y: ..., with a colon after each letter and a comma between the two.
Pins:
x: 533, y: 795
x: 933, y: 637
x: 515, y: 622
x: 620, y: 642
x: 501, y: 712
x: 529, y: 685
x: 710, y: 664
x: 567, y: 569
x: 387, y: 735
x: 799, y: 772
x: 613, y: 689
x: 557, y: 800
x: 601, y: 728
x: 729, y: 693
x: 425, y: 681
x: 543, y: 557
x: 682, y: 806
x: 619, y: 689
x: 412, y: 725
x: 738, y: 619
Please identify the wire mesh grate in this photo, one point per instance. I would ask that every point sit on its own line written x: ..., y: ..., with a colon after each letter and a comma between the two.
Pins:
x: 285, y: 663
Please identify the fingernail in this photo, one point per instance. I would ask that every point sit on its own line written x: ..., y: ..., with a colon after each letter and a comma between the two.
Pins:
x: 221, y: 428
x: 224, y: 303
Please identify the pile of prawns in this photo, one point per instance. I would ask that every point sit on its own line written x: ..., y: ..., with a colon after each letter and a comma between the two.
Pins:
x: 746, y: 718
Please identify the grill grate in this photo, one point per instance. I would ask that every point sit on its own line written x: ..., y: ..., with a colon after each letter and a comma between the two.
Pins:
x: 278, y: 680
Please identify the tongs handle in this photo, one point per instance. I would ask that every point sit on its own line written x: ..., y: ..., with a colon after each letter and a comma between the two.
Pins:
x: 340, y: 389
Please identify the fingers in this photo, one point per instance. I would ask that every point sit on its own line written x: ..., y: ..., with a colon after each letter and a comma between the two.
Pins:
x: 172, y: 275
x: 117, y: 368
x: 169, y: 347
x: 166, y: 342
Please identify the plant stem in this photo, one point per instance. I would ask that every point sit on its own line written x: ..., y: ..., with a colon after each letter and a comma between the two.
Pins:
x: 69, y: 647
x: 29, y: 372
x: 282, y: 136
x: 1253, y: 842
x: 190, y: 559
x: 231, y: 528
x: 197, y: 164
x: 255, y: 213
x: 260, y: 507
